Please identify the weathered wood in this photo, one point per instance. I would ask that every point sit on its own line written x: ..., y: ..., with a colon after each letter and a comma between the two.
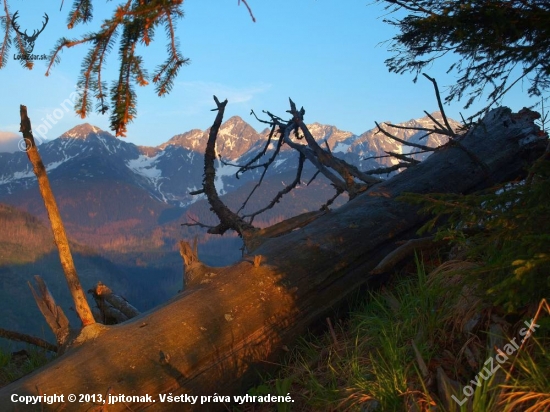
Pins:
x: 214, y: 337
x: 113, y: 308
x: 54, y: 315
x: 405, y: 250
x: 195, y: 272
x: 60, y: 236
x: 22, y: 337
x: 254, y: 239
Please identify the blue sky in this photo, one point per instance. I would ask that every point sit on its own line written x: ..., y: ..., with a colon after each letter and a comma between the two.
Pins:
x: 327, y: 56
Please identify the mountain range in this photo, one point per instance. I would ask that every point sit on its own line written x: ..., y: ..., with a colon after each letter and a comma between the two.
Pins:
x: 162, y: 177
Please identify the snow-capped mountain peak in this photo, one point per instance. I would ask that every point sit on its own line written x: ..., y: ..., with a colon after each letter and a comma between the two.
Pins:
x: 84, y: 131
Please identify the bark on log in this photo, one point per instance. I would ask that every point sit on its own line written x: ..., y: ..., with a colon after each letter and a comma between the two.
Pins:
x: 213, y: 338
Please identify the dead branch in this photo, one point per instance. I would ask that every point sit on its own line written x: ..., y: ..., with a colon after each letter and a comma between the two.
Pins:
x: 429, y: 132
x: 344, y: 169
x: 439, y: 128
x: 440, y: 104
x: 250, y: 165
x: 249, y: 10
x: 313, y: 177
x: 309, y: 155
x: 231, y: 220
x: 397, y: 139
x: 21, y: 337
x: 196, y: 222
x: 389, y: 169
x: 283, y: 192
x: 265, y: 165
x: 329, y: 202
x: 345, y: 174
x: 228, y: 219
x: 405, y: 157
x: 386, y: 156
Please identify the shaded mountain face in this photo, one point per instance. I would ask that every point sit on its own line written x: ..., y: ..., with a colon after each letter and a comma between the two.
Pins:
x: 106, y: 184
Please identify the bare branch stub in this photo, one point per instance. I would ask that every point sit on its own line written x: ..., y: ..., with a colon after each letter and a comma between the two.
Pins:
x: 53, y: 314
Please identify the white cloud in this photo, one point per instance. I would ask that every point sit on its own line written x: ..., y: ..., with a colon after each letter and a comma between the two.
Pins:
x: 8, y: 142
x: 201, y: 92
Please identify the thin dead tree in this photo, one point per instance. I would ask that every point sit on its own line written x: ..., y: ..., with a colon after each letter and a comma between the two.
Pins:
x: 60, y: 237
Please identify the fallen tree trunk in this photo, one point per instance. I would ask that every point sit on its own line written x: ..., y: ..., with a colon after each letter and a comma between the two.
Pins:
x: 212, y: 338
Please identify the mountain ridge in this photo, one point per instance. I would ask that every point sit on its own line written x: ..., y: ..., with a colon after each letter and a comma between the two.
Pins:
x: 154, y: 182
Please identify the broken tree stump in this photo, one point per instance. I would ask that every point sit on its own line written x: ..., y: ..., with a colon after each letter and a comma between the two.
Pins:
x: 54, y: 315
x: 111, y: 308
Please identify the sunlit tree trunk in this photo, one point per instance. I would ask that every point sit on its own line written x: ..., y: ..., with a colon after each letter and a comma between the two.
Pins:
x: 60, y: 237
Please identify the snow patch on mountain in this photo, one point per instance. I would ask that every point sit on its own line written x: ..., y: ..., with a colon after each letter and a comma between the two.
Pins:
x: 341, y: 147
x: 54, y: 165
x: 170, y: 171
x: 146, y: 166
x: 221, y: 171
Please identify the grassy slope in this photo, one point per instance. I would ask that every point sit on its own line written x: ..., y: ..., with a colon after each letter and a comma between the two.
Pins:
x: 402, y: 344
